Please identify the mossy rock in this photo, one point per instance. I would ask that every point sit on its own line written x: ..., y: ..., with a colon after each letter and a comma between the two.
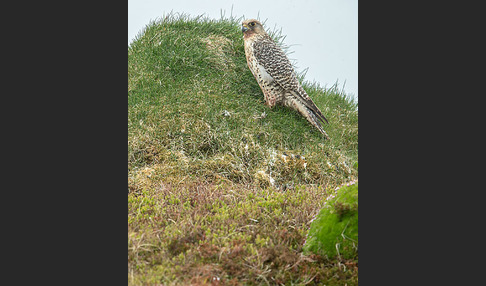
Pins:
x: 334, y: 231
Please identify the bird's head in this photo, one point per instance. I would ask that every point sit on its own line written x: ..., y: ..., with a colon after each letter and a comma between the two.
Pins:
x: 252, y: 26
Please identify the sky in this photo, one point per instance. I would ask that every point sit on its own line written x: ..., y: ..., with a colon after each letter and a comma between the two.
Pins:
x: 322, y: 34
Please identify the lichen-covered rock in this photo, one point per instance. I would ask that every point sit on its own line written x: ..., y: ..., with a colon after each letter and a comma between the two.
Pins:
x: 334, y: 231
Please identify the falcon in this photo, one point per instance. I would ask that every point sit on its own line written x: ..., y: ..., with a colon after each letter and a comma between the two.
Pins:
x: 275, y: 74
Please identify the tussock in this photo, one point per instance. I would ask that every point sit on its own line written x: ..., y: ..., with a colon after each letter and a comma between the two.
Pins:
x: 222, y: 189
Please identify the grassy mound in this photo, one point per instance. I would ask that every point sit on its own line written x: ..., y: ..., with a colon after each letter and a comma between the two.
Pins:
x: 334, y: 232
x: 220, y: 187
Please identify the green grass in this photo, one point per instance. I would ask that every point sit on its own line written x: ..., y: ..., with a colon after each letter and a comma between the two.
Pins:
x: 215, y: 189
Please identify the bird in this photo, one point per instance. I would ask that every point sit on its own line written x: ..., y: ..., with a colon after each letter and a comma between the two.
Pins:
x: 275, y: 74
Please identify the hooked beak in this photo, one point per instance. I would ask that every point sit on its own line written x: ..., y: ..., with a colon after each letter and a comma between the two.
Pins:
x: 244, y: 28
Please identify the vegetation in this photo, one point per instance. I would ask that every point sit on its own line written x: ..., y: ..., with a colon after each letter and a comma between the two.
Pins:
x: 334, y: 231
x: 222, y: 189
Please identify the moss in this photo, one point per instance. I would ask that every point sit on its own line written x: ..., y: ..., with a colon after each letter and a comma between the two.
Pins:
x: 334, y: 231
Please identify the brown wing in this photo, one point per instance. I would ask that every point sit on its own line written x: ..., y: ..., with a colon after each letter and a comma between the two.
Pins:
x: 273, y: 59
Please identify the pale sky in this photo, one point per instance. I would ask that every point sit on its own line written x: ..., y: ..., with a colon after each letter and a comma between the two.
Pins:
x: 322, y: 34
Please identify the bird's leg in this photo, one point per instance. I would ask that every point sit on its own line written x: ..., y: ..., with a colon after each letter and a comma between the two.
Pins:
x: 270, y: 102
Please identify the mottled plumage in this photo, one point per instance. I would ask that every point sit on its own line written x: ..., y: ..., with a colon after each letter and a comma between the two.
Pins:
x: 275, y: 74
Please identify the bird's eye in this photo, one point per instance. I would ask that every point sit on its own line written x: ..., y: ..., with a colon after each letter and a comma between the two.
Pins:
x: 252, y: 24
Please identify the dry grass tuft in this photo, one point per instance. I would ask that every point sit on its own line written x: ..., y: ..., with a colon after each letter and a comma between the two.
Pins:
x: 221, y: 47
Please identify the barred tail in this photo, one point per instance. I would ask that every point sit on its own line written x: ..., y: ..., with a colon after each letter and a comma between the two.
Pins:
x: 309, y: 110
x: 316, y: 119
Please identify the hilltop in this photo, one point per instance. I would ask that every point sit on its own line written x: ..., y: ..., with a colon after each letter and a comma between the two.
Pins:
x: 220, y: 187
